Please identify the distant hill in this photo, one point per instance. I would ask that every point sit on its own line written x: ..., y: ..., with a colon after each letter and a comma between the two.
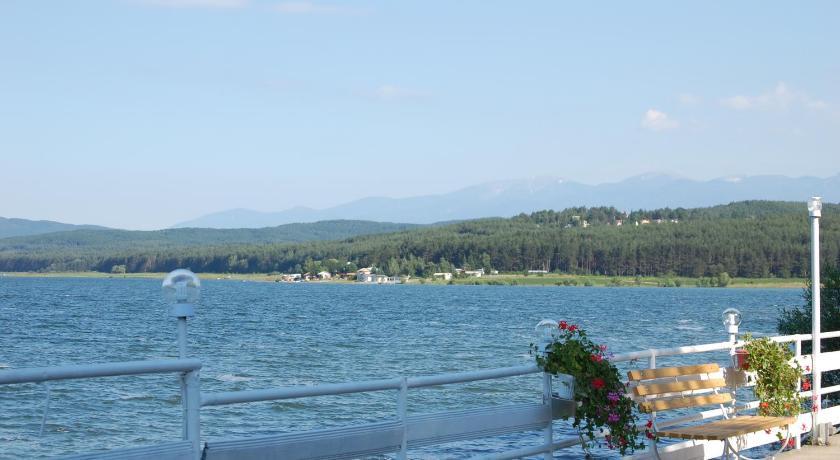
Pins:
x: 745, y: 239
x: 508, y: 198
x: 117, y: 241
x: 22, y: 227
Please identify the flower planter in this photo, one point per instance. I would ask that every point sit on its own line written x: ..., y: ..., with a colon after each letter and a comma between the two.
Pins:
x: 741, y: 359
x: 562, y: 408
x: 563, y: 402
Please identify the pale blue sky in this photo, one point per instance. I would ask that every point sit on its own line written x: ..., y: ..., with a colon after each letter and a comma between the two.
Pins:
x: 109, y: 109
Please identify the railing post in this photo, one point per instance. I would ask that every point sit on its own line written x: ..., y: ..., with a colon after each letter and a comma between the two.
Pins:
x: 548, y: 431
x: 797, y: 352
x: 192, y: 422
x: 652, y: 365
x: 402, y: 413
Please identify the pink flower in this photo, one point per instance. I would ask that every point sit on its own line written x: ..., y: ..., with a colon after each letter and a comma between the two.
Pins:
x: 602, y: 348
x: 573, y: 328
x: 613, y: 417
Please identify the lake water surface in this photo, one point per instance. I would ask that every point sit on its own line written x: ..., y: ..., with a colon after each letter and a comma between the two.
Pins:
x: 259, y: 335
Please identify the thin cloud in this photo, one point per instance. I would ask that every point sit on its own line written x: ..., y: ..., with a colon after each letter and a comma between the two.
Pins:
x: 656, y: 120
x: 689, y: 99
x: 781, y: 97
x: 396, y: 93
x: 197, y: 3
x: 309, y: 8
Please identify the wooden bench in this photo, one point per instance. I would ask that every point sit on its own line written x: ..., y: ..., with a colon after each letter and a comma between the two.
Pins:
x: 685, y: 387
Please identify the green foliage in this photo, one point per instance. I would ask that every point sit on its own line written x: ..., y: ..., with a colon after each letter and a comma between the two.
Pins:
x: 598, y: 388
x: 797, y: 320
x: 720, y: 280
x: 776, y: 380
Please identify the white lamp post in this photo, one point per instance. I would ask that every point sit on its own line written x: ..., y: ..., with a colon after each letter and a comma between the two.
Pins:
x: 732, y: 319
x: 815, y: 211
x: 182, y: 289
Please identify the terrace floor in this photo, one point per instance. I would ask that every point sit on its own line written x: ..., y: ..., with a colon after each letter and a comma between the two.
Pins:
x: 829, y: 452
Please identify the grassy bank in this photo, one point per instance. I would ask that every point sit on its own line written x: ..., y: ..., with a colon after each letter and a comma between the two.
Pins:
x: 617, y: 281
x: 503, y: 279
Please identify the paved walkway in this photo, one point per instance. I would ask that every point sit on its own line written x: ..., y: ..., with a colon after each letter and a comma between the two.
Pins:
x: 830, y: 452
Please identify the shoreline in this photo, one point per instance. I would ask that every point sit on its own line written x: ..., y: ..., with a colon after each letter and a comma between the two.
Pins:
x: 555, y: 280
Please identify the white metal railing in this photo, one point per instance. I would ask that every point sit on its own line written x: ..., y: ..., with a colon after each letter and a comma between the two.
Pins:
x: 421, y: 429
x: 190, y: 391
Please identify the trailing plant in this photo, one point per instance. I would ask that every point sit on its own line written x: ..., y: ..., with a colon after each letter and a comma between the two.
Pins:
x: 777, y: 377
x: 598, y: 388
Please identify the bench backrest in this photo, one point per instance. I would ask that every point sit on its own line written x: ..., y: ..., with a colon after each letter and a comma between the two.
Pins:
x: 678, y: 387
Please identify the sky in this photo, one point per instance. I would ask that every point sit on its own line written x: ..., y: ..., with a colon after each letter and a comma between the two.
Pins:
x: 143, y: 113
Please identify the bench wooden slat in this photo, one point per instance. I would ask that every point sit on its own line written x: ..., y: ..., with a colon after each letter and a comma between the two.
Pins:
x: 648, y: 374
x: 674, y: 387
x: 679, y: 403
x: 723, y: 429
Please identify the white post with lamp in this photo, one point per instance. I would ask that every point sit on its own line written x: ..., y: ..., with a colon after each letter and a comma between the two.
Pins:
x: 732, y: 320
x: 182, y: 289
x: 815, y: 212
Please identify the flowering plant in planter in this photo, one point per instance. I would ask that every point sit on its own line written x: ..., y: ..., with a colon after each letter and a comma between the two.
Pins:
x: 776, y: 379
x: 598, y: 388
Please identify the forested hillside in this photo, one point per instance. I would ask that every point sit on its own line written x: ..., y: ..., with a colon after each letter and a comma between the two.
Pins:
x: 747, y: 239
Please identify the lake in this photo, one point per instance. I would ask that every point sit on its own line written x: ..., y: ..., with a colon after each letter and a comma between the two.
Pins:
x: 258, y: 335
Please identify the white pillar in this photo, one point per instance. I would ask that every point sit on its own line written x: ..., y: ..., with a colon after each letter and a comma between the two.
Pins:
x: 548, y: 430
x: 815, y: 211
x: 193, y: 409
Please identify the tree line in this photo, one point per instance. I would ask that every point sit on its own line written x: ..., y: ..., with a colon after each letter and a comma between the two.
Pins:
x: 744, y: 239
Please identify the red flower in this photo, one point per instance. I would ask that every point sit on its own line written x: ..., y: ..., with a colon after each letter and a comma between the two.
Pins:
x: 649, y: 435
x: 597, y: 383
x: 596, y: 358
x: 649, y: 423
x: 573, y: 328
x: 563, y: 325
x: 806, y: 385
x: 764, y: 405
x: 814, y: 408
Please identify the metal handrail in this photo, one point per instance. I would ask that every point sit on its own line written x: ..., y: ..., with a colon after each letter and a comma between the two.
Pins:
x: 84, y: 371
x: 330, y: 389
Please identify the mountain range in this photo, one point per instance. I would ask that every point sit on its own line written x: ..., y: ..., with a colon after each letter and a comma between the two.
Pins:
x: 21, y: 227
x: 508, y: 198
x: 114, y: 241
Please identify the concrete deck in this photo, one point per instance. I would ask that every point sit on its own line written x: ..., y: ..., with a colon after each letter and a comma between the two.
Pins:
x: 830, y: 452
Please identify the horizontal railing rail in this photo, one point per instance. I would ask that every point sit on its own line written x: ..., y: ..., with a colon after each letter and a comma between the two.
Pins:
x: 85, y: 371
x: 332, y: 389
